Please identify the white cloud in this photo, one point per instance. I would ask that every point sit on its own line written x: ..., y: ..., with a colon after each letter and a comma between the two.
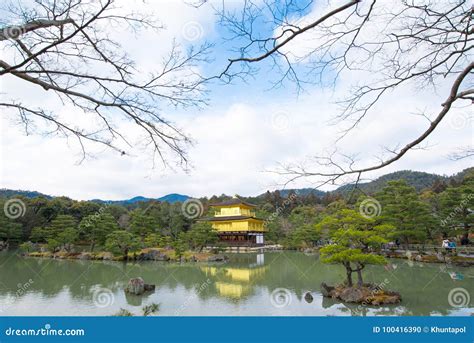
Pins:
x: 236, y: 142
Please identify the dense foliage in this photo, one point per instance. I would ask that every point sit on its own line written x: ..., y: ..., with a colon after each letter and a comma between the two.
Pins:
x: 297, y: 221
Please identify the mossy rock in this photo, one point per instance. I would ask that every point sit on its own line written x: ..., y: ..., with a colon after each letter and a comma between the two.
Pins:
x: 367, y: 294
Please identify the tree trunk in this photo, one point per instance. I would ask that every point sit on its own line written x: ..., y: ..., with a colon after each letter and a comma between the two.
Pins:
x: 92, y: 246
x: 125, y: 254
x: 466, y: 229
x: 360, y: 280
x: 349, y: 274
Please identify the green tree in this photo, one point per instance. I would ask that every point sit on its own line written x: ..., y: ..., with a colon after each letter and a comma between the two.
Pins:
x: 178, y: 223
x: 59, y: 224
x: 200, y: 235
x: 39, y: 234
x: 302, y: 237
x: 67, y: 238
x: 303, y: 233
x: 9, y: 230
x: 122, y: 242
x: 355, y: 242
x: 96, y: 227
x: 53, y: 245
x: 457, y: 204
x: 402, y: 208
x: 142, y: 224
x: 180, y: 245
x: 27, y: 247
x: 153, y: 240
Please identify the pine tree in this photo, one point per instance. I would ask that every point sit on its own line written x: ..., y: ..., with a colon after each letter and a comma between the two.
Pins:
x: 142, y: 224
x: 457, y: 207
x: 355, y: 242
x: 59, y: 224
x: 200, y: 235
x: 122, y: 242
x: 9, y: 230
x: 96, y: 227
x: 402, y: 208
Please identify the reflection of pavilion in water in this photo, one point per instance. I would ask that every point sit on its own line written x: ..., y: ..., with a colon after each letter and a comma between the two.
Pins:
x: 237, y: 281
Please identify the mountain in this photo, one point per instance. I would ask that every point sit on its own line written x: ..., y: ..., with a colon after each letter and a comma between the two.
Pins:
x: 419, y: 180
x: 302, y: 192
x: 174, y: 197
x: 171, y: 198
x: 8, y: 193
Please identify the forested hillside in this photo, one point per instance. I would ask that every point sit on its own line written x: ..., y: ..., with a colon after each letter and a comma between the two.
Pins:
x: 444, y: 209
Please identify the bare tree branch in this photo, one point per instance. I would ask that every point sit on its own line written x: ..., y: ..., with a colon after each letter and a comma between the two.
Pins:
x: 61, y: 47
x: 388, y: 44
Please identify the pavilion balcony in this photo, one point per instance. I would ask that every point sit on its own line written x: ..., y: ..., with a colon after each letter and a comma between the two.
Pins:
x: 236, y: 213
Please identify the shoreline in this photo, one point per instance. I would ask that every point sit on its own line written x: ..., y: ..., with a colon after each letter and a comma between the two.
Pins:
x: 148, y: 254
x: 169, y: 255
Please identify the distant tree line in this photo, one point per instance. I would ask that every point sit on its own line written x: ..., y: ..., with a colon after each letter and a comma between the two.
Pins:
x: 403, y: 214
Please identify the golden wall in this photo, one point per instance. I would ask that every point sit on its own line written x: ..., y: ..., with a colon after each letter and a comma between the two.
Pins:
x: 234, y: 211
x: 241, y: 225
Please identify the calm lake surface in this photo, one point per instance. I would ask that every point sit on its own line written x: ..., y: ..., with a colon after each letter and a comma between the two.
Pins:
x: 249, y: 284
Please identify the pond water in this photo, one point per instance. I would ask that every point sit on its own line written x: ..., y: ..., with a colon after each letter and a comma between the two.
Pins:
x: 249, y: 284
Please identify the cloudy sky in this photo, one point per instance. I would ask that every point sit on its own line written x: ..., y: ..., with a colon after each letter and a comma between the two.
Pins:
x: 239, y: 138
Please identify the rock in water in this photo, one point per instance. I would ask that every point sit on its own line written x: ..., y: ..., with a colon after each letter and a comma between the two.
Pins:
x: 352, y: 295
x: 152, y: 255
x: 217, y: 258
x: 367, y: 294
x: 326, y: 290
x: 135, y: 286
x: 308, y: 297
x: 149, y: 288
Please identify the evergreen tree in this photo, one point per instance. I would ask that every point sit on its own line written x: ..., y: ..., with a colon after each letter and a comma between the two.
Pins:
x: 9, y: 229
x: 59, y: 224
x: 153, y: 240
x: 67, y: 237
x: 95, y: 228
x: 122, y: 242
x: 457, y: 207
x: 142, y: 224
x: 355, y: 242
x: 200, y: 235
x: 402, y: 208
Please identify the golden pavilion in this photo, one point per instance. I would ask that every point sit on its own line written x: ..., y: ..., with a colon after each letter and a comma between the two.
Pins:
x: 236, y: 223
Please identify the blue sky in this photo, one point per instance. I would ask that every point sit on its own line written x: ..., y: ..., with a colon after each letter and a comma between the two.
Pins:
x: 244, y: 132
